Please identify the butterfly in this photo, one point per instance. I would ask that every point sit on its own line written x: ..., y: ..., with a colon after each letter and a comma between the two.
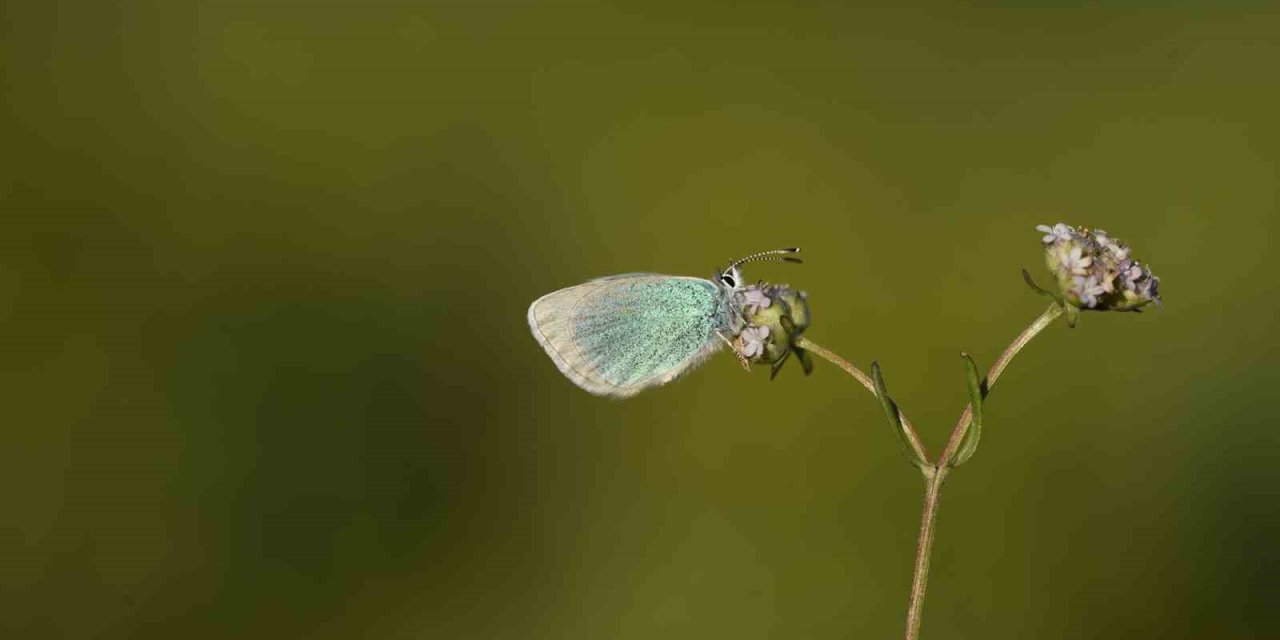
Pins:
x: 619, y: 335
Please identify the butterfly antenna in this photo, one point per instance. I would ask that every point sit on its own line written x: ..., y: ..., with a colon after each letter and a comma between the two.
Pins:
x: 769, y: 256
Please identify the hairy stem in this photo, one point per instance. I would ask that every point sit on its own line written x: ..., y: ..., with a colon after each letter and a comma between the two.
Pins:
x: 924, y: 547
x: 812, y: 347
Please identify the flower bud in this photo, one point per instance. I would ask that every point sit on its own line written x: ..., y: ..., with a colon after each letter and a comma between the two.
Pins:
x: 1095, y: 271
x: 775, y: 316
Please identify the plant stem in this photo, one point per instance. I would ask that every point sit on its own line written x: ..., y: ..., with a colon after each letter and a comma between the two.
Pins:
x: 812, y: 347
x: 935, y: 474
x: 924, y: 547
x: 928, y: 519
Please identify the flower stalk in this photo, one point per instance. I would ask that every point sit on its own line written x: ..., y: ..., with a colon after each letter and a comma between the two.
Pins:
x: 1092, y: 272
x: 935, y: 472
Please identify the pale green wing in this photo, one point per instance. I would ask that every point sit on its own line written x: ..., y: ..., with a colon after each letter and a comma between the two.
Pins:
x: 619, y: 335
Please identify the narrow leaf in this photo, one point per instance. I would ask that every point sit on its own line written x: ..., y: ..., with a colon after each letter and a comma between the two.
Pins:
x: 773, y: 371
x: 806, y: 360
x: 891, y: 414
x: 1036, y: 288
x: 1072, y: 313
x: 973, y: 433
x: 787, y: 324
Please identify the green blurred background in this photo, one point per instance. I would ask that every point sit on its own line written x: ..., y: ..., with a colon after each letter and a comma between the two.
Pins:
x: 265, y: 371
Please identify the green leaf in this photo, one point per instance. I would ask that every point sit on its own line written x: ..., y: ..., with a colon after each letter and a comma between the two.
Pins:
x: 1072, y: 313
x: 773, y: 371
x: 806, y: 360
x: 891, y: 414
x: 1036, y: 288
x: 787, y: 325
x: 973, y: 433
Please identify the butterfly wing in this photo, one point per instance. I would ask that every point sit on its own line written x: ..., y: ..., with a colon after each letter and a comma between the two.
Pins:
x: 619, y: 335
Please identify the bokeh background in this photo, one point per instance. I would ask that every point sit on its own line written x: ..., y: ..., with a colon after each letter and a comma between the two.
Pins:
x: 264, y: 368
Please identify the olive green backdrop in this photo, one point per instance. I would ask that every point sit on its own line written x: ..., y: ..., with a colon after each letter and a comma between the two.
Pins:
x: 265, y: 372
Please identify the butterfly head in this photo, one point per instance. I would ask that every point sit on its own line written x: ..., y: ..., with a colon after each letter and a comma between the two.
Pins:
x: 731, y: 277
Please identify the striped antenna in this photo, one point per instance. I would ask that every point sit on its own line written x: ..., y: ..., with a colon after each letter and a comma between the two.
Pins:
x: 769, y: 256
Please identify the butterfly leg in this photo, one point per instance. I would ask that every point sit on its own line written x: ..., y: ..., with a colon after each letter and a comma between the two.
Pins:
x: 746, y: 364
